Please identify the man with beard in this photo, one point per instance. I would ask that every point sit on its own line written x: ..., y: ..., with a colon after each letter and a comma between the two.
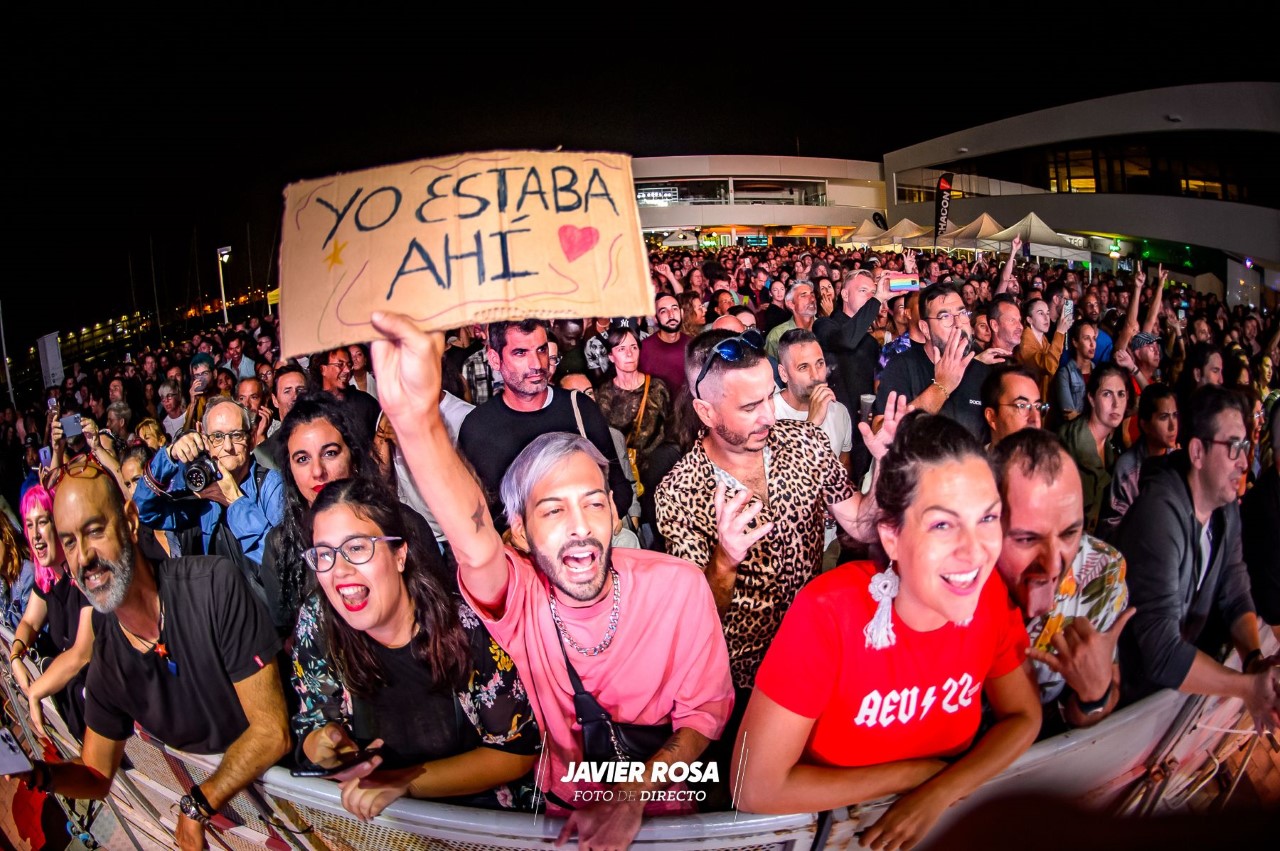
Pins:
x: 1070, y: 585
x: 662, y: 353
x: 639, y: 628
x: 494, y: 433
x: 1091, y: 307
x: 1188, y: 579
x: 747, y: 503
x: 941, y: 376
x: 807, y: 396
x: 183, y: 649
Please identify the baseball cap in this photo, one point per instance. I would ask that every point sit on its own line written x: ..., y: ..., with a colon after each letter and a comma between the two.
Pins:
x: 1143, y: 338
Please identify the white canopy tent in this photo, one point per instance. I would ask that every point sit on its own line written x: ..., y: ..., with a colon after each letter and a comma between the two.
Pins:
x: 897, y: 235
x: 862, y: 235
x: 680, y: 239
x: 1044, y: 240
x: 965, y: 237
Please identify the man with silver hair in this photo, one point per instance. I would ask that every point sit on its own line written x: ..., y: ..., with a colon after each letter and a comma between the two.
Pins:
x: 233, y: 513
x: 182, y: 649
x: 637, y: 630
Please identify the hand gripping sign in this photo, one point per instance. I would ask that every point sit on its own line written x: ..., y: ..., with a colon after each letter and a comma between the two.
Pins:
x: 460, y: 239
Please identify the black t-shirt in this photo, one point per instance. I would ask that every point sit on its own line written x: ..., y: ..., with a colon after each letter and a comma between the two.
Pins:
x: 910, y: 372
x: 416, y: 718
x: 494, y: 434
x: 216, y: 633
x: 64, y: 603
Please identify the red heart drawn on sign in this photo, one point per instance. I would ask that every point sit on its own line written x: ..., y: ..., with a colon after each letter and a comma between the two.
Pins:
x: 576, y: 242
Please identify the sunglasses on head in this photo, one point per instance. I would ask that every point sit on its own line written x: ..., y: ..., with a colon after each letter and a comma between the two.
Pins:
x: 731, y: 350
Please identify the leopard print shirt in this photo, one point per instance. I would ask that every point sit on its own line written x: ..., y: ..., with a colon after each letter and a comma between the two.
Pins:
x: 805, y: 477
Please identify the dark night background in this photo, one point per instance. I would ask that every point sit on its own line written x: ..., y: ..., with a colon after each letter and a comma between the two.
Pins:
x: 184, y: 141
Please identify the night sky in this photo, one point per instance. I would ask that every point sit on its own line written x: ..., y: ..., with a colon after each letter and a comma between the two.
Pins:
x: 175, y: 140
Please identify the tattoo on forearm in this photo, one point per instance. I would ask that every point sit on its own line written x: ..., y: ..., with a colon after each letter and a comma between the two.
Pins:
x: 478, y: 516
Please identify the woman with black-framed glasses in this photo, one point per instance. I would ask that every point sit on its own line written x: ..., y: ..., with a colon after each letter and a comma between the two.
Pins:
x: 385, y: 658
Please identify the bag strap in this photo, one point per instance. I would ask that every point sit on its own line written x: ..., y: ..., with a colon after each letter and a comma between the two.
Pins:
x: 635, y: 428
x: 578, y: 689
x: 577, y: 416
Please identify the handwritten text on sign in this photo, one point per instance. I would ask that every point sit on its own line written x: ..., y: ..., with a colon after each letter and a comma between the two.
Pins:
x: 473, y: 237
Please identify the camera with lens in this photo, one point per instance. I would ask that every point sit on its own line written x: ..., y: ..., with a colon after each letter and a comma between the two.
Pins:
x: 201, y: 472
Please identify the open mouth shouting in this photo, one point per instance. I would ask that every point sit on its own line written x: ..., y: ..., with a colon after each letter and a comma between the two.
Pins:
x: 354, y: 596
x: 963, y: 583
x: 582, y: 559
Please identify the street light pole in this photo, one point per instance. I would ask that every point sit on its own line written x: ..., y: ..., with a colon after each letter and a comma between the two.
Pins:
x: 224, y: 257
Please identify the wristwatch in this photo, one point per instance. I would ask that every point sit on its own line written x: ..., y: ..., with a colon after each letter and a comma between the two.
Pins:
x: 1095, y: 707
x: 195, y: 806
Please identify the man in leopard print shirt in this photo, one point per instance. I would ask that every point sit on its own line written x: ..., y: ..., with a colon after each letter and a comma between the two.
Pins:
x: 747, y: 502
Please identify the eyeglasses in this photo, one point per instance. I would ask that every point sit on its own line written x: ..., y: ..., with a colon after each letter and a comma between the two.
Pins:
x: 356, y: 550
x: 730, y: 351
x: 340, y: 364
x: 1024, y: 406
x: 217, y: 437
x: 80, y: 467
x: 948, y: 317
x: 1234, y: 447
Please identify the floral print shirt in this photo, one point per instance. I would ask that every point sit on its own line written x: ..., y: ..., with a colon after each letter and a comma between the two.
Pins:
x: 494, y: 702
x: 1091, y: 587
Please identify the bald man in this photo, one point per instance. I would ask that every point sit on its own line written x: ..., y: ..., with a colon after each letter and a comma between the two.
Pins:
x: 729, y: 322
x: 183, y: 632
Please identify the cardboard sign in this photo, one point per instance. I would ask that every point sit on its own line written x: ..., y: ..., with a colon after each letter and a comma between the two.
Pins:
x: 461, y: 239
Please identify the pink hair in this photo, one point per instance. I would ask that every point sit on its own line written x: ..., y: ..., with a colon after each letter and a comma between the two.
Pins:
x: 38, y: 496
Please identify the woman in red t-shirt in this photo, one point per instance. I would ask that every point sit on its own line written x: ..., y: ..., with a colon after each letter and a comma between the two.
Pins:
x: 872, y: 684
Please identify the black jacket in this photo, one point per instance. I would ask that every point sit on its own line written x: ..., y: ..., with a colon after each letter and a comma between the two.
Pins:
x: 852, y: 354
x: 1160, y: 538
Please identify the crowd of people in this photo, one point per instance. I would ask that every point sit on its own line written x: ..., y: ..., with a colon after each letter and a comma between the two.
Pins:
x: 961, y: 513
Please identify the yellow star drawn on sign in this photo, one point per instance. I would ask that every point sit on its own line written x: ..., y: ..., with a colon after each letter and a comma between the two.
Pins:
x: 335, y: 256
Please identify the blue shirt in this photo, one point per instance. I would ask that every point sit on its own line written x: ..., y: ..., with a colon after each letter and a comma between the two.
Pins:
x: 249, y: 518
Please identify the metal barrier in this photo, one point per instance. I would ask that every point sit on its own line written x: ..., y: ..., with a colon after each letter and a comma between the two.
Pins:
x: 1157, y: 745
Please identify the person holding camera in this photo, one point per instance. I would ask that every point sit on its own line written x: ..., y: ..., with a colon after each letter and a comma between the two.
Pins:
x: 208, y: 488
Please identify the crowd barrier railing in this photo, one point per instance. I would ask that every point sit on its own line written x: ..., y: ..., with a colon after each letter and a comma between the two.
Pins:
x: 1144, y: 759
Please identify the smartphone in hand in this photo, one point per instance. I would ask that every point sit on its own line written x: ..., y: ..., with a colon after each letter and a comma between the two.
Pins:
x: 900, y: 282
x: 349, y: 762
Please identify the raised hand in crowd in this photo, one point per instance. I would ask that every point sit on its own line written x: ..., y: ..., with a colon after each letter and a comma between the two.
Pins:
x: 734, y: 539
x: 819, y: 403
x: 993, y: 355
x: 1085, y: 658
x: 950, y: 363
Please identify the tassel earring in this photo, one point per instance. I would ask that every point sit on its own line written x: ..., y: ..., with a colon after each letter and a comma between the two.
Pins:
x: 884, y: 587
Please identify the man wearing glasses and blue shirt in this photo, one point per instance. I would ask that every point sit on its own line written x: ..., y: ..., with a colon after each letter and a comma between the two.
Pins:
x: 1187, y: 576
x: 232, y: 515
x: 942, y: 376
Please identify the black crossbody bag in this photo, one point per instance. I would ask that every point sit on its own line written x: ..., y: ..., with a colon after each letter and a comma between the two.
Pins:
x: 606, y: 740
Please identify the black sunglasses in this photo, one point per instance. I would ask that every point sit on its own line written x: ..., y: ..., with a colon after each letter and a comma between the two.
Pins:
x: 730, y: 351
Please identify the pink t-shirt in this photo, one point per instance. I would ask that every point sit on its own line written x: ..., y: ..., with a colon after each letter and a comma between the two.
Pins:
x: 667, y: 662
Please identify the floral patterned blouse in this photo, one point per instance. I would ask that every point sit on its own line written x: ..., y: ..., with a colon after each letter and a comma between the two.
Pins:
x: 493, y: 711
